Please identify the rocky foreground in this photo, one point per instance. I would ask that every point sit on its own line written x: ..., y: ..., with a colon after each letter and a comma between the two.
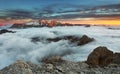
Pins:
x: 100, y: 61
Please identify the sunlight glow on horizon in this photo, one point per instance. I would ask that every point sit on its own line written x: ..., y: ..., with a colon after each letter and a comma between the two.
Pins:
x: 110, y: 22
x: 90, y: 21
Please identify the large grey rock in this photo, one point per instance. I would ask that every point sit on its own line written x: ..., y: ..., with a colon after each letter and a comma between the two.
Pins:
x: 19, y: 67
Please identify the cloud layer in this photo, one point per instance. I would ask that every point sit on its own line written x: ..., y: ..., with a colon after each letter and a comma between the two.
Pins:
x: 57, y: 11
x: 18, y: 46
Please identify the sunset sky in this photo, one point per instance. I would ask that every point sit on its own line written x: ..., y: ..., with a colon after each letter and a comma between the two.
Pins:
x: 102, y: 12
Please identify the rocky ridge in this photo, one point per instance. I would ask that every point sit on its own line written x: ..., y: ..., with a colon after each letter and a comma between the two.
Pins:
x: 57, y: 65
x: 72, y: 39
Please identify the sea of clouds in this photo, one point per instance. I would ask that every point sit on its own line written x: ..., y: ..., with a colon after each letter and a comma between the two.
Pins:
x: 18, y: 46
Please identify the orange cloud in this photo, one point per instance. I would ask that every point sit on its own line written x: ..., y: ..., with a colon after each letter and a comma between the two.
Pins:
x: 15, y: 21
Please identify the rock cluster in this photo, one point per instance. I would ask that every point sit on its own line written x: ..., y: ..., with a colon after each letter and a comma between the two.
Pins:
x: 102, y: 56
x: 66, y: 67
x: 73, y: 39
x: 5, y: 31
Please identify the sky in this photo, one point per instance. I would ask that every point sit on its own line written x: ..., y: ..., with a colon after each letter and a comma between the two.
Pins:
x: 57, y: 9
x: 28, y: 4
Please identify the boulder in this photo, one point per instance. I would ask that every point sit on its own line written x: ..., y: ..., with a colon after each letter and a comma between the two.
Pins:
x: 102, y: 56
x: 99, y: 56
x: 84, y: 40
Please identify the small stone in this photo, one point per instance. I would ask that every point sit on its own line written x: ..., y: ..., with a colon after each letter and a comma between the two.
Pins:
x: 57, y: 72
x: 50, y: 66
x: 60, y: 69
x: 71, y: 72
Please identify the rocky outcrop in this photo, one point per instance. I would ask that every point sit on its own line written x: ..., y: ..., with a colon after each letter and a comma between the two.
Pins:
x: 19, y: 67
x: 35, y: 39
x: 84, y: 40
x: 73, y: 39
x: 102, y: 56
x: 5, y: 31
x: 66, y: 67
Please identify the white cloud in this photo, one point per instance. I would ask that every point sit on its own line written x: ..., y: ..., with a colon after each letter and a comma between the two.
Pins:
x: 16, y: 46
